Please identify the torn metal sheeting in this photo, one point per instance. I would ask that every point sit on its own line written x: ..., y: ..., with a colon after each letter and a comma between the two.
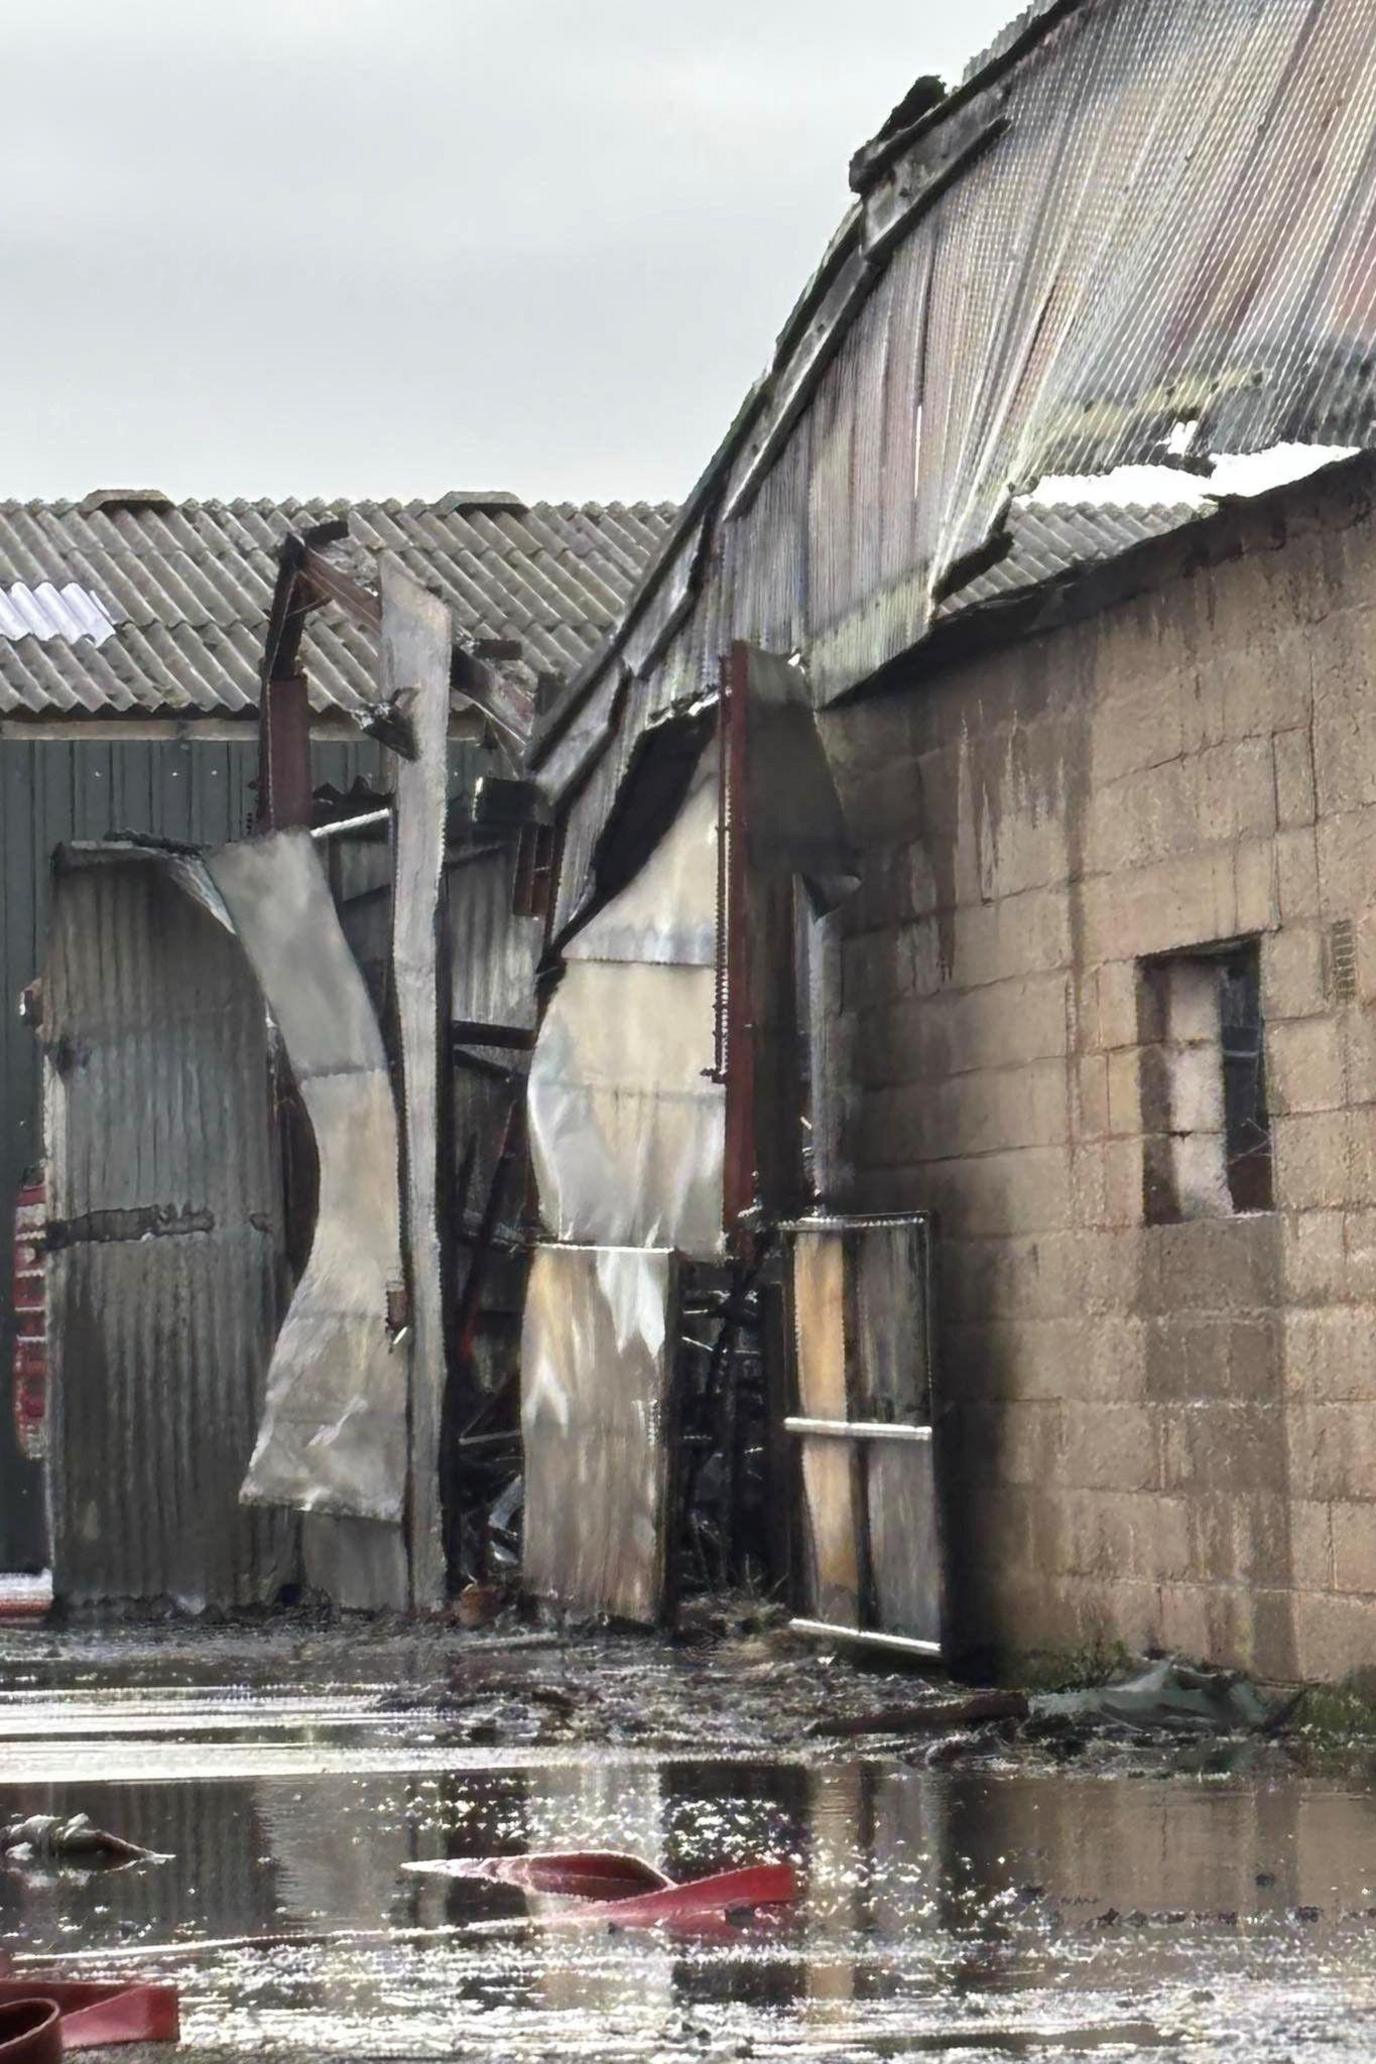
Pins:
x: 795, y: 821
x: 1139, y: 217
x: 157, y: 1120
x: 333, y: 1437
x: 597, y: 1356
x: 667, y: 912
x: 417, y: 637
x: 627, y: 1125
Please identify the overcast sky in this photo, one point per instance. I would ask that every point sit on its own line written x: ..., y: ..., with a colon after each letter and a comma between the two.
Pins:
x: 399, y: 246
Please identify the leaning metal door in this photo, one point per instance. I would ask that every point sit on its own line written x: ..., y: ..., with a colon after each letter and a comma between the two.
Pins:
x: 860, y: 1308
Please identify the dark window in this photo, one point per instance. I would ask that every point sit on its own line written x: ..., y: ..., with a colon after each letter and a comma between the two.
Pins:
x: 1247, y: 1128
x: 1203, y: 1078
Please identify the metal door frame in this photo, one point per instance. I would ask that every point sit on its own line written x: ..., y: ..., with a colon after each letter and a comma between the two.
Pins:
x: 858, y: 1433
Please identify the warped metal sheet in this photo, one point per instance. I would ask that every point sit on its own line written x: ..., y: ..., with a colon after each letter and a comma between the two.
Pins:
x: 417, y: 638
x: 493, y: 952
x: 1141, y: 221
x: 166, y: 1261
x: 596, y: 1369
x: 667, y: 915
x: 333, y: 1437
x: 626, y: 1129
x: 627, y: 1125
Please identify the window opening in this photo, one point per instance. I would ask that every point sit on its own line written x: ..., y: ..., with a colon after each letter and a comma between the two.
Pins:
x: 1203, y: 1077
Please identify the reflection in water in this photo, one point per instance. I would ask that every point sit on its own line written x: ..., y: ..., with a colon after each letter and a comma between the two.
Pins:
x: 955, y: 1900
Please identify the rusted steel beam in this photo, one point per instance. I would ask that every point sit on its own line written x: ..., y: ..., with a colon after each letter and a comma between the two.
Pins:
x: 284, y: 716
x: 284, y: 754
x: 325, y: 582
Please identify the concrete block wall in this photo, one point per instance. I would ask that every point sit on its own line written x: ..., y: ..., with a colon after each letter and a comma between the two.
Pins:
x: 1163, y: 1433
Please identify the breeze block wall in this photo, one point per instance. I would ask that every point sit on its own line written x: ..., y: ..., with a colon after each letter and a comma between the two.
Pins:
x: 1160, y: 1433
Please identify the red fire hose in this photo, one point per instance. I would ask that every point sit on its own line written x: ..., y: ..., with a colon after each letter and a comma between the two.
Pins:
x: 41, y: 2019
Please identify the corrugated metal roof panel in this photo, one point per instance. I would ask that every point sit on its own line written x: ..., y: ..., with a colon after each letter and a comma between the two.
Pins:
x: 1137, y: 217
x: 163, y: 607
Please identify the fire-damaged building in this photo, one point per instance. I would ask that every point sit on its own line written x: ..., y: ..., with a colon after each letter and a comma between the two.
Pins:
x: 923, y: 968
x: 1102, y: 1000
x: 132, y: 635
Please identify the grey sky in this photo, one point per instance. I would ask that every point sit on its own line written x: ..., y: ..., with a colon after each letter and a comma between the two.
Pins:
x: 351, y: 247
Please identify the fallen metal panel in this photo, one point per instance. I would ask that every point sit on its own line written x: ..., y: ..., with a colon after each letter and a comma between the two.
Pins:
x: 417, y: 638
x: 166, y: 1269
x: 333, y: 1436
x: 597, y: 1357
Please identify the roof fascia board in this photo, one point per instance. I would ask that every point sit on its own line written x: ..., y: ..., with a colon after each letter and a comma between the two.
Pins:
x: 145, y: 727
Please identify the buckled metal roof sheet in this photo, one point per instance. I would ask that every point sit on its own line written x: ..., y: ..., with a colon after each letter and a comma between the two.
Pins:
x: 186, y: 589
x: 1050, y: 541
x: 1136, y: 221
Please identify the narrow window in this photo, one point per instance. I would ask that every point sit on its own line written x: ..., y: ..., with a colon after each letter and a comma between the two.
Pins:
x: 1208, y: 1136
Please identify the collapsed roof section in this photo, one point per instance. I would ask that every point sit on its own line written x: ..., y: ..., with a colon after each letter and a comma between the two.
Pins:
x: 1141, y: 231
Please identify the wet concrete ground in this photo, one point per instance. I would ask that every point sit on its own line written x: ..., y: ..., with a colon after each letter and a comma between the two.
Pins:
x: 1185, y: 1905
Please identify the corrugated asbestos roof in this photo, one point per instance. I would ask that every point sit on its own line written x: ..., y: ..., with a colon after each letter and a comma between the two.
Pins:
x: 187, y: 587
x: 1049, y: 542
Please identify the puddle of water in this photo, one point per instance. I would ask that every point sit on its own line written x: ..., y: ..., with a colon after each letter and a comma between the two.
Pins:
x: 993, y: 1913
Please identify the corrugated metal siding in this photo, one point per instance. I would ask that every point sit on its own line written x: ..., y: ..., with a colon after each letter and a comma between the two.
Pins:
x: 51, y: 792
x: 493, y: 953
x: 1163, y: 212
x: 158, y: 1117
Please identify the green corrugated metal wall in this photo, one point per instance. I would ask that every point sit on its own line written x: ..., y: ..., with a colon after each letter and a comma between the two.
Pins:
x: 51, y: 791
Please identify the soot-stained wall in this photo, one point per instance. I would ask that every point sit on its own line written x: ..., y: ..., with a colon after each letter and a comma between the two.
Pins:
x: 1161, y: 1431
